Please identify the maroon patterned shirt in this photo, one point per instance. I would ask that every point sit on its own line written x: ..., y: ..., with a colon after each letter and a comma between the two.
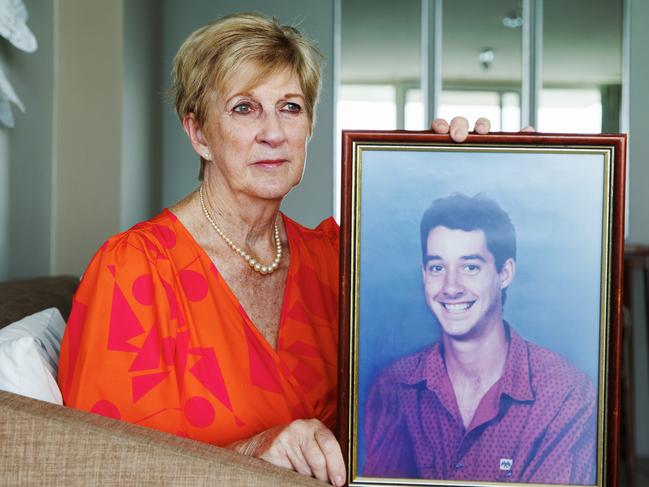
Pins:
x: 537, y: 424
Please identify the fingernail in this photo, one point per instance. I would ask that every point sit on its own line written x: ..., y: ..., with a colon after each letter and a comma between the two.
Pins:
x: 339, y: 481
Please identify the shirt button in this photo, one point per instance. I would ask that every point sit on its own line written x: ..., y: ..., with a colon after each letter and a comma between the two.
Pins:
x: 458, y: 466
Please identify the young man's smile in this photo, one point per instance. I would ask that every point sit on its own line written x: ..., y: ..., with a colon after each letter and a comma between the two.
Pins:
x: 461, y: 283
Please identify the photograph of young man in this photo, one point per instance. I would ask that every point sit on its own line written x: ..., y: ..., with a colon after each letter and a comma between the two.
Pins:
x: 481, y: 403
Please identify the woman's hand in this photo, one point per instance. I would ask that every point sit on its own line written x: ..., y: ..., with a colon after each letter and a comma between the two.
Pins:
x: 459, y: 127
x: 304, y: 445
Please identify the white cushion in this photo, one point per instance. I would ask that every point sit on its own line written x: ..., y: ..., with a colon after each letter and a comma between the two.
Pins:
x: 29, y: 355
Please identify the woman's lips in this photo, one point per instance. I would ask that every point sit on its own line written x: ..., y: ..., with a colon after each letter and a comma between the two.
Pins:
x: 270, y: 162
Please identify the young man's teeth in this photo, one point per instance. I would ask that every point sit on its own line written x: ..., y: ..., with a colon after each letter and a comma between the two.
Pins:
x: 456, y: 307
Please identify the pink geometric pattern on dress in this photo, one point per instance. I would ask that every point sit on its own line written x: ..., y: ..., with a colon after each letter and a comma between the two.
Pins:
x: 318, y: 297
x: 153, y: 250
x: 106, y: 408
x: 182, y: 349
x: 124, y: 325
x: 208, y: 373
x: 144, y: 383
x: 111, y: 269
x: 168, y: 350
x: 199, y: 411
x: 149, y: 355
x: 175, y: 313
x: 182, y: 434
x: 307, y: 375
x: 298, y: 313
x: 165, y: 236
x: 299, y: 411
x: 302, y: 348
x: 263, y: 370
x: 326, y: 400
x: 238, y: 422
x: 194, y: 285
x: 74, y: 329
x: 142, y: 290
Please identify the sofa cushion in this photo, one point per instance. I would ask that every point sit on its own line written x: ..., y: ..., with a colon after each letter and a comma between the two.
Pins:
x: 25, y: 297
x: 29, y: 354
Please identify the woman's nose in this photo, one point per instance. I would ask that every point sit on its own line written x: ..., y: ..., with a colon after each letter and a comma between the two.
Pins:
x: 270, y: 129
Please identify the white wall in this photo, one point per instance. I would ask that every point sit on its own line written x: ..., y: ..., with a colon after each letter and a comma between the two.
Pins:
x: 310, y: 202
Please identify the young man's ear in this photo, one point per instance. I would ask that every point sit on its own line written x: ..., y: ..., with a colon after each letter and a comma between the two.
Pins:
x: 507, y: 273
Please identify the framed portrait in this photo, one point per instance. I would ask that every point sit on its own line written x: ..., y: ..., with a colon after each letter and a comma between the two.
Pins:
x: 481, y: 308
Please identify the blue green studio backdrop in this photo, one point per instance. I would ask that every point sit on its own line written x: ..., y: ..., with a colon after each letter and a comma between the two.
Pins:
x: 555, y: 201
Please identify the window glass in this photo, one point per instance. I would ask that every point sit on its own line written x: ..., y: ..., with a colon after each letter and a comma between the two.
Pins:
x: 481, y: 61
x: 582, y: 59
x: 366, y: 107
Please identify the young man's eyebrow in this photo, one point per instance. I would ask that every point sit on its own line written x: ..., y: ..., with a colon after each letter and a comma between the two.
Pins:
x: 428, y: 258
x: 474, y: 257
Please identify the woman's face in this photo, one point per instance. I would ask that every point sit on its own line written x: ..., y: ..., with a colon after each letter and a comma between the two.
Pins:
x: 257, y: 135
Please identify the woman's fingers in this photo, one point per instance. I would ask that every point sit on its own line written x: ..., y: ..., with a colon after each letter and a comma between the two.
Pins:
x: 306, y: 446
x: 334, y: 457
x: 440, y: 126
x: 459, y: 129
x: 315, y: 459
x: 482, y: 126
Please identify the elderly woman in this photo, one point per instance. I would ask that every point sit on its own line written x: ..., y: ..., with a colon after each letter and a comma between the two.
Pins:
x: 217, y: 319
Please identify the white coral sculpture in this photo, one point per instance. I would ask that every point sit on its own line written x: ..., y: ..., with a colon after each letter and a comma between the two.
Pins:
x: 13, y: 27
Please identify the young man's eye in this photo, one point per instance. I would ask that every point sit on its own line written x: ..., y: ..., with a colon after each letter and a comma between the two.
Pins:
x: 435, y: 269
x: 471, y: 268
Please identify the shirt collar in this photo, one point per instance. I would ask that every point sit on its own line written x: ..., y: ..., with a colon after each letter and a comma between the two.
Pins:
x: 516, y: 381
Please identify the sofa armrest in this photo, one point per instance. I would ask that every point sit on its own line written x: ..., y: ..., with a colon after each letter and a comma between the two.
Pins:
x: 46, y: 444
x: 25, y: 297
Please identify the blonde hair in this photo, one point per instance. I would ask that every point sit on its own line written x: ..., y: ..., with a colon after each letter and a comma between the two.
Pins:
x: 212, y: 53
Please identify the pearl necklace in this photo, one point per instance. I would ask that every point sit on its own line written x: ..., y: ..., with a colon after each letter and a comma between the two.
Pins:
x: 251, y: 261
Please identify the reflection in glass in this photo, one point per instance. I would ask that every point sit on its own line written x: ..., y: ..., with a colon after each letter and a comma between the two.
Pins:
x: 481, y: 62
x: 582, y: 59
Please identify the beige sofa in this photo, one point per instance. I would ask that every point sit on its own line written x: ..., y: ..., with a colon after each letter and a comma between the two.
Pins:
x: 46, y: 444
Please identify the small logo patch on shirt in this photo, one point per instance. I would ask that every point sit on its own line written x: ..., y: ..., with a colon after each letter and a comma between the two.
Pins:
x: 506, y: 464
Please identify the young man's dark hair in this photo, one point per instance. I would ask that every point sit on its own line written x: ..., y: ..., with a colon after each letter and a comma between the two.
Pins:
x: 461, y: 212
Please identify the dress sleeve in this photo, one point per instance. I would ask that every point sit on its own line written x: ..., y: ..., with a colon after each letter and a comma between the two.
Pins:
x: 567, y: 452
x: 389, y: 451
x: 117, y: 352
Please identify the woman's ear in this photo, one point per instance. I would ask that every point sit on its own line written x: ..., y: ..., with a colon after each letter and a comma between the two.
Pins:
x: 196, y: 136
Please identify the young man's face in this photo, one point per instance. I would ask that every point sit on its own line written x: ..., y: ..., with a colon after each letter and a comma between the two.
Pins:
x: 461, y: 283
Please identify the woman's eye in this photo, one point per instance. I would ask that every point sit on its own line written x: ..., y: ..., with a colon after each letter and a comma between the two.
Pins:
x: 243, y: 108
x: 292, y: 108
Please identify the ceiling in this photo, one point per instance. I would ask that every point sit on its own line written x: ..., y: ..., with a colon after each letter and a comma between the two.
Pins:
x: 582, y: 42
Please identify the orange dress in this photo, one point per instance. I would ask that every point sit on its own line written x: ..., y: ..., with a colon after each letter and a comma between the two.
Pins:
x: 156, y: 337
